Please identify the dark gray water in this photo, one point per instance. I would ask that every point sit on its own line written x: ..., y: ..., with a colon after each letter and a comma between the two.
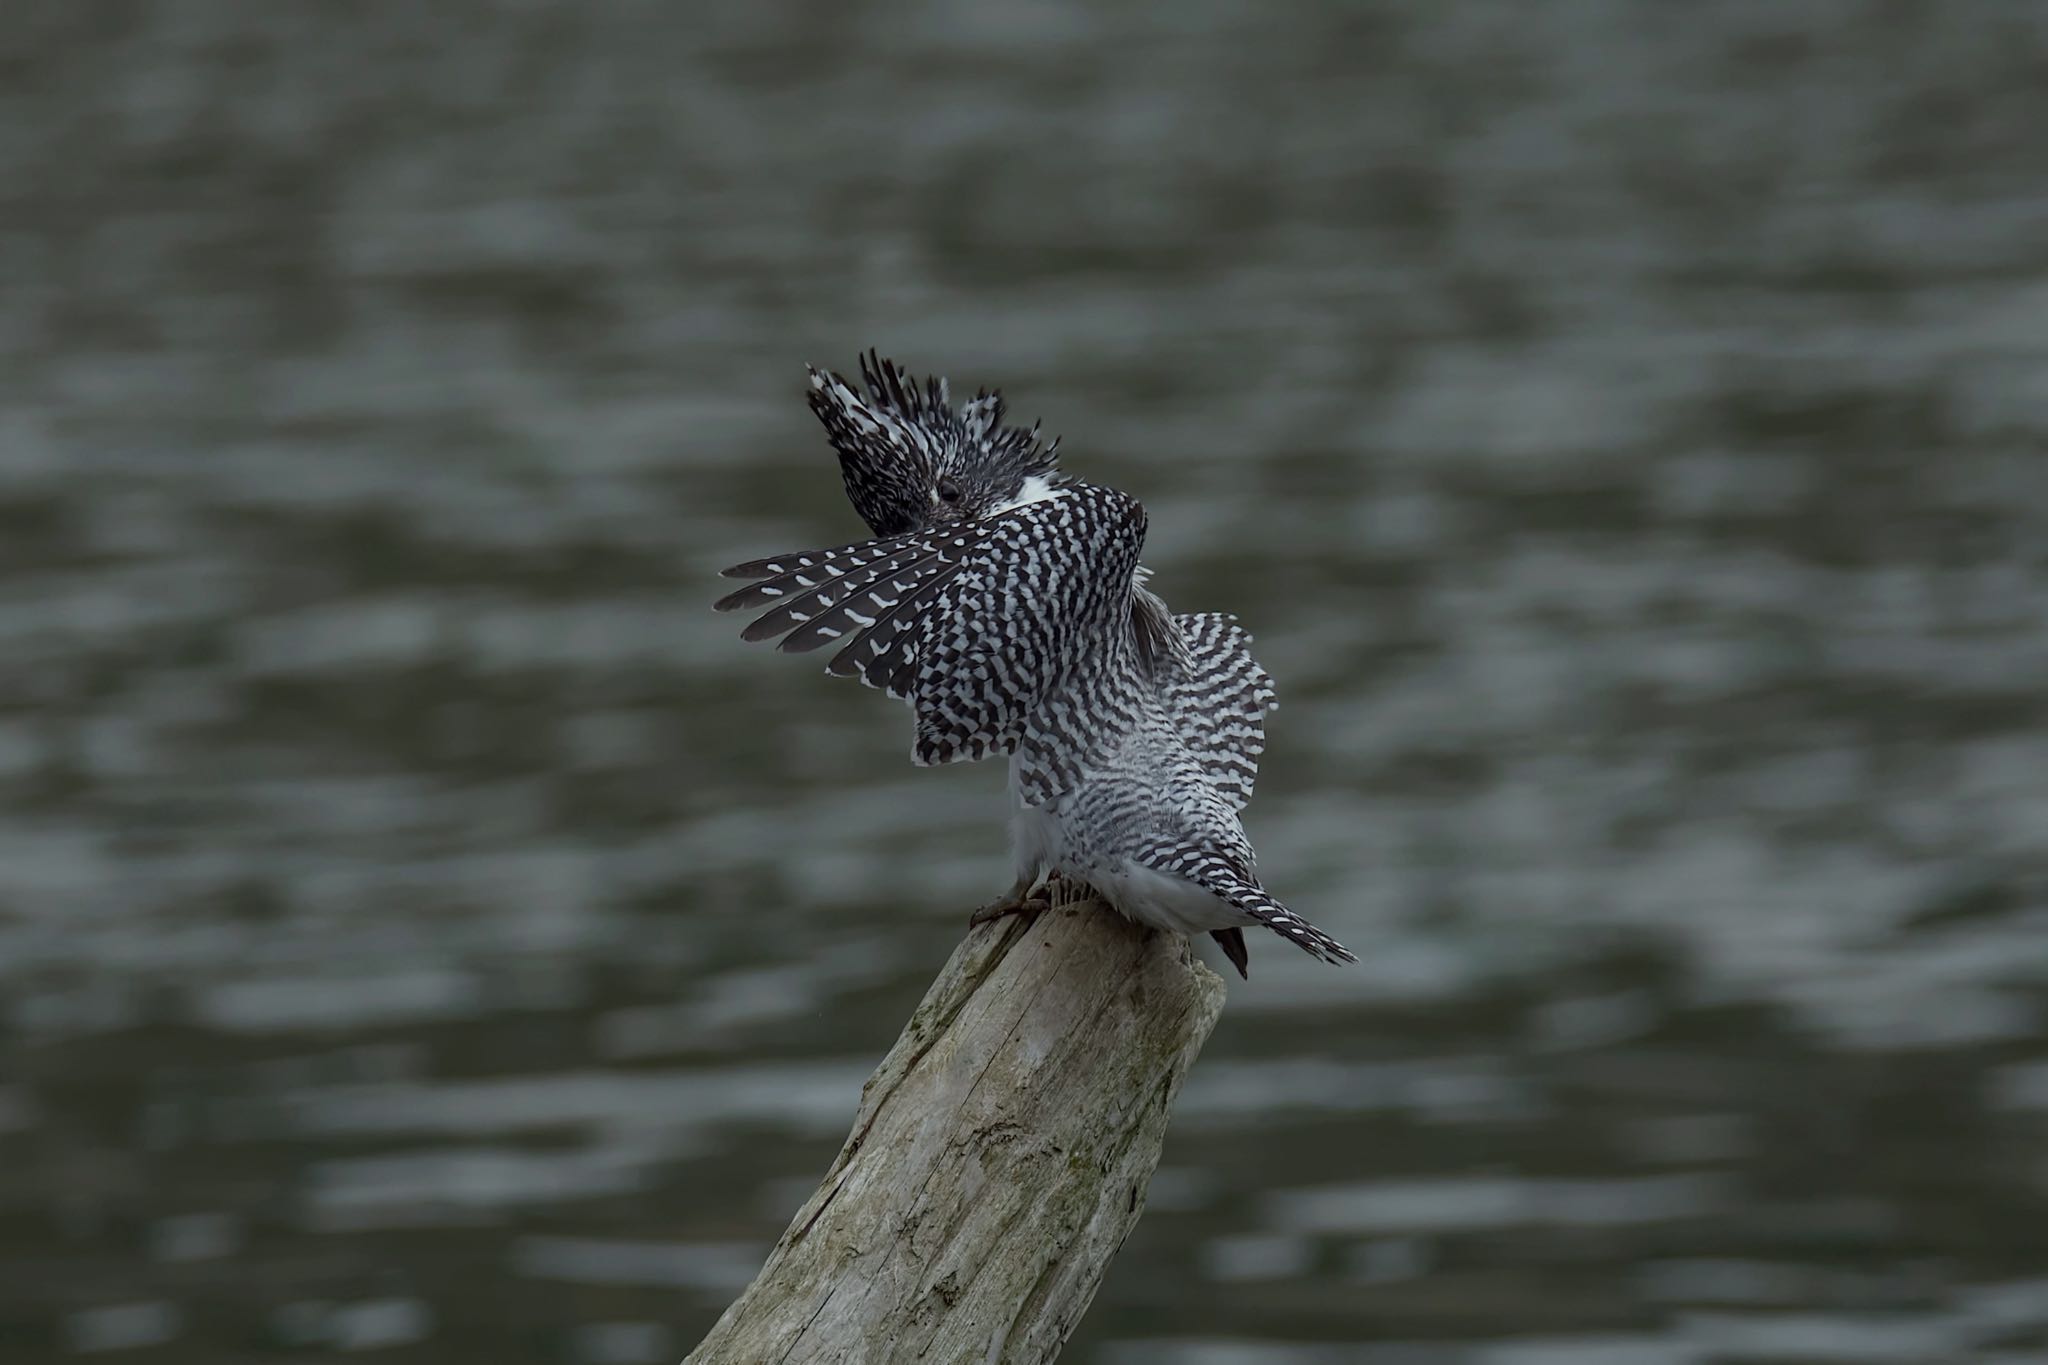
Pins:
x: 426, y: 929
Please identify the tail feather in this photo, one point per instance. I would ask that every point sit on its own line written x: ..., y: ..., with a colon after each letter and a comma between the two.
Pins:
x: 1222, y: 878
x: 1254, y: 901
x: 1232, y: 943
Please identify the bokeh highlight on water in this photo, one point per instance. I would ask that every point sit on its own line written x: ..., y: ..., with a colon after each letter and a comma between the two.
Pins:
x: 426, y: 930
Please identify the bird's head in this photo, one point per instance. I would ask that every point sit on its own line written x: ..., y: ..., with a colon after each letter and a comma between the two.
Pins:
x: 911, y: 461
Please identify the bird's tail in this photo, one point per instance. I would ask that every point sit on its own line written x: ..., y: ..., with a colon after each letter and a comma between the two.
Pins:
x: 1219, y: 876
x: 1253, y: 900
x: 1232, y: 943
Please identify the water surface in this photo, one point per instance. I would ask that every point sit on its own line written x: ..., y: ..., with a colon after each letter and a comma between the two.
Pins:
x: 425, y: 929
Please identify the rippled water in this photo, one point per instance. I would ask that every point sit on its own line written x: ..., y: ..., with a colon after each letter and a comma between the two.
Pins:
x: 424, y: 927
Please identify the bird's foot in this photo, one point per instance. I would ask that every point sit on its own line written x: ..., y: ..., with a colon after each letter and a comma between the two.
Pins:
x: 1011, y: 904
x: 1062, y: 890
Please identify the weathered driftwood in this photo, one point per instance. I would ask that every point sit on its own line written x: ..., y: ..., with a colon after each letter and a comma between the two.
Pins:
x: 999, y: 1158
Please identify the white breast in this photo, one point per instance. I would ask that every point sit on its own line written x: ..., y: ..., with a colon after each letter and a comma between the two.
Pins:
x: 1164, y: 901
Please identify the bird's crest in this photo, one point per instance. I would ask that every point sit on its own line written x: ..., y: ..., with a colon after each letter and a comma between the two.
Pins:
x: 901, y: 438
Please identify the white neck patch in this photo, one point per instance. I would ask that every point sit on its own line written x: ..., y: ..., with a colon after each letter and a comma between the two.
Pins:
x: 1037, y: 488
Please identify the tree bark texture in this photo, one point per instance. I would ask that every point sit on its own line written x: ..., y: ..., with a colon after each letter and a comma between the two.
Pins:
x: 999, y: 1158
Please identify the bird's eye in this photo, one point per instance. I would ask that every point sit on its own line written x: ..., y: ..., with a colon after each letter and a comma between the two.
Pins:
x: 949, y: 492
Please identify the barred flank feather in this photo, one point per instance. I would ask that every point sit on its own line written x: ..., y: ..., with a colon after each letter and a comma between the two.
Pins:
x: 1222, y: 696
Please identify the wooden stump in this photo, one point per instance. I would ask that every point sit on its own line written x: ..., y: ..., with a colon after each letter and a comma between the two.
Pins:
x: 999, y: 1158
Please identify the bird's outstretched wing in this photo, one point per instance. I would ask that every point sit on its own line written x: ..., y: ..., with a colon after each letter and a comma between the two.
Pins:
x: 1219, y: 696
x: 974, y: 623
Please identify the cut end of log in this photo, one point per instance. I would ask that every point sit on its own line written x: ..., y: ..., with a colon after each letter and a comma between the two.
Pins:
x: 999, y: 1157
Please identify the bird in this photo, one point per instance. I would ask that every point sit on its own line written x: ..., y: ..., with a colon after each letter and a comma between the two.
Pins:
x: 899, y: 449
x: 1003, y: 599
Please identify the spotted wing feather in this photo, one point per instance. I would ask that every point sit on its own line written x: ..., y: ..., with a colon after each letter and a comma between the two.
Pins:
x: 855, y: 611
x: 890, y: 645
x: 805, y: 597
x: 782, y: 574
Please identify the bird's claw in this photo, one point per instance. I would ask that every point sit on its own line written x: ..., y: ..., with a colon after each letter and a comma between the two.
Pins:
x: 1007, y: 905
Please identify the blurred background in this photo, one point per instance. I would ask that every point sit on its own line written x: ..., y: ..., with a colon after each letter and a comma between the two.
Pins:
x: 427, y: 931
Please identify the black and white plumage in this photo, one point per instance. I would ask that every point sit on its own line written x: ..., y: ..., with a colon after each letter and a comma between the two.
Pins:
x: 909, y: 460
x: 1221, y: 695
x: 1003, y: 600
x: 975, y: 624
